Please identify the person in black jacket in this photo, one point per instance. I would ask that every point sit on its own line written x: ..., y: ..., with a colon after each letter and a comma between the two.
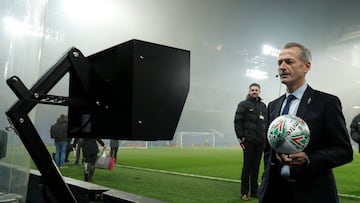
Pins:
x: 355, y: 130
x: 250, y: 130
x: 90, y: 155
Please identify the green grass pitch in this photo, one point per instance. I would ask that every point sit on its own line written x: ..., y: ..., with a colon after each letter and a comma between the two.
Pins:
x: 160, y: 173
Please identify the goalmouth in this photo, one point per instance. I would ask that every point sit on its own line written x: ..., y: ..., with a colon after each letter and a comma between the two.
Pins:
x: 130, y: 144
x: 192, y: 139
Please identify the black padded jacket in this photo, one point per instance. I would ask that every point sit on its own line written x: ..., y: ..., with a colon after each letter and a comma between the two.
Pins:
x: 250, y: 120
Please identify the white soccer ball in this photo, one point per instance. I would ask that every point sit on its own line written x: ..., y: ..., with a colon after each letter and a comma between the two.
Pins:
x: 288, y: 134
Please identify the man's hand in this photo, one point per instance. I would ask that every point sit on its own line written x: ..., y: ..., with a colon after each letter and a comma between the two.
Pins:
x: 293, y: 159
x: 241, y: 141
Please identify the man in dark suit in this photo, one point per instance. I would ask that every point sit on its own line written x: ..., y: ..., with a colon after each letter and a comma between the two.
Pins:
x: 355, y: 130
x: 311, y: 177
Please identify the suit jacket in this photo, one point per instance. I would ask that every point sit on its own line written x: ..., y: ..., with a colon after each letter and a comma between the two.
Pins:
x: 329, y: 147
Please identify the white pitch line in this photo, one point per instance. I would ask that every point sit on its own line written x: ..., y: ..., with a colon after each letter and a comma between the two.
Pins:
x: 347, y: 195
x: 206, y: 177
x: 181, y: 174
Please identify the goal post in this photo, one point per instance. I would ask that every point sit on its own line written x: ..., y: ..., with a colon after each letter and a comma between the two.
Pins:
x: 192, y: 139
x: 126, y: 144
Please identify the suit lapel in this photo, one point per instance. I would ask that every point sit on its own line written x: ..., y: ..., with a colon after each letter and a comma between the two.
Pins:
x: 277, y: 107
x: 305, y: 102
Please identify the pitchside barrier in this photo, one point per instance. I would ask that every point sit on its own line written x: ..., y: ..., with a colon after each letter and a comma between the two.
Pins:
x: 84, y: 192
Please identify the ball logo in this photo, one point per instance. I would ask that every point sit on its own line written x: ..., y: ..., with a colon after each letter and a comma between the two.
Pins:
x: 288, y: 134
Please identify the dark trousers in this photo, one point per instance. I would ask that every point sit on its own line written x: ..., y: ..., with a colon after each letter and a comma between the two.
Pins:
x: 77, y: 157
x: 79, y: 142
x: 113, y: 152
x: 89, y: 166
x: 250, y: 171
x: 69, y: 148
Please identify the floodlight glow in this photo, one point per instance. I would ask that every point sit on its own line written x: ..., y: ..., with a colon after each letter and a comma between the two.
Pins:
x: 256, y: 74
x: 89, y: 11
x: 14, y: 27
x: 271, y: 51
x: 258, y: 60
x: 17, y: 28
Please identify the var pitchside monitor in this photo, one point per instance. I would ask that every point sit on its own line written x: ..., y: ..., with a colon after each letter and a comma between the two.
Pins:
x: 137, y: 92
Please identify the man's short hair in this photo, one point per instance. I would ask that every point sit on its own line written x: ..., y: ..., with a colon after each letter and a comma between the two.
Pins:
x: 305, y: 54
x: 254, y: 84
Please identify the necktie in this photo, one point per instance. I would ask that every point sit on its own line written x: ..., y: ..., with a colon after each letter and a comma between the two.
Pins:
x: 287, y: 105
x: 285, y: 169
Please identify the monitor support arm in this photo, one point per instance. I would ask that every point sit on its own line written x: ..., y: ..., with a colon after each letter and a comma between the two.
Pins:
x: 73, y: 62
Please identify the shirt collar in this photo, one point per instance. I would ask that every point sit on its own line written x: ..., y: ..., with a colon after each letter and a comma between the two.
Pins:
x: 299, y: 92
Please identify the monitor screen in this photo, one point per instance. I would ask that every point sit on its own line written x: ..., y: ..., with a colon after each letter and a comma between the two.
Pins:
x: 136, y: 91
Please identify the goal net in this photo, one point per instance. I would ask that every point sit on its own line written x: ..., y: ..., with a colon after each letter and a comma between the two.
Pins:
x: 196, y: 139
x: 133, y: 144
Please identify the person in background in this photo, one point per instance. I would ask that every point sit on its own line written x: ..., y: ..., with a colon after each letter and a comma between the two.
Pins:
x: 69, y: 148
x: 355, y: 130
x: 78, y: 144
x: 90, y: 154
x: 311, y: 176
x: 3, y: 143
x: 58, y: 132
x: 250, y: 130
x: 114, y: 145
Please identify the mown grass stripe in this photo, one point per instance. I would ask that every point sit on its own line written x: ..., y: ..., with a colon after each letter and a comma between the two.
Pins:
x: 205, y: 177
x: 178, y: 173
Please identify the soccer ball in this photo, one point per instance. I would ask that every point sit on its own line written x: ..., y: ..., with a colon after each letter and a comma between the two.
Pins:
x: 288, y: 134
